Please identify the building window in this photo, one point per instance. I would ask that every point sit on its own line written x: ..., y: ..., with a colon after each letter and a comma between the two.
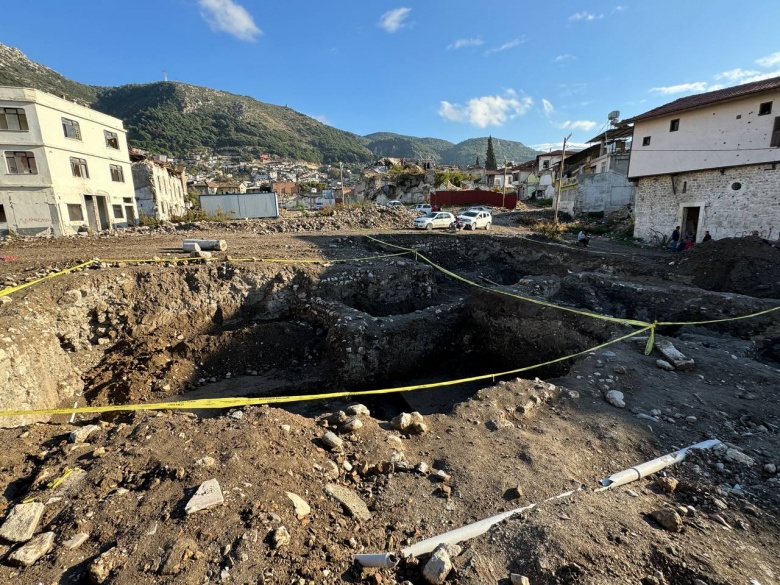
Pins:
x: 646, y: 141
x: 765, y: 109
x: 776, y: 133
x: 118, y: 214
x: 13, y: 119
x: 674, y: 125
x: 112, y: 139
x: 21, y: 163
x: 71, y: 129
x: 79, y: 167
x: 685, y: 186
x: 75, y: 213
x: 117, y: 174
x: 127, y: 199
x: 2, y: 214
x: 546, y: 164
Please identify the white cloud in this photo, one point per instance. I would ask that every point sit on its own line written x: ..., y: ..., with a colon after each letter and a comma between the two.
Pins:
x: 586, y: 16
x: 565, y: 58
x: 229, y: 17
x: 394, y: 20
x: 681, y: 88
x: 737, y: 75
x: 491, y: 110
x: 547, y: 106
x: 460, y: 43
x: 585, y: 125
x: 510, y: 45
x: 618, y: 9
x: 769, y: 60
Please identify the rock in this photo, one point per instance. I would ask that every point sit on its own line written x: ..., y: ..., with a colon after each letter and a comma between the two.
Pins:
x: 206, y: 461
x: 352, y: 424
x: 402, y: 422
x: 350, y: 500
x: 280, y: 537
x: 737, y: 456
x: 620, y: 370
x: 516, y: 579
x: 615, y: 398
x: 669, y: 519
x: 331, y: 440
x: 770, y: 468
x: 664, y: 365
x: 27, y: 554
x: 209, y: 494
x: 76, y: 540
x: 100, y: 569
x: 21, y: 522
x: 302, y: 509
x: 81, y: 434
x: 673, y: 356
x: 667, y: 484
x: 438, y: 567
x: 358, y: 410
x: 181, y: 551
x: 419, y: 428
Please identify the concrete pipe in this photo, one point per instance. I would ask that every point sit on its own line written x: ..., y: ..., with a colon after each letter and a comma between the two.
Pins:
x: 215, y: 245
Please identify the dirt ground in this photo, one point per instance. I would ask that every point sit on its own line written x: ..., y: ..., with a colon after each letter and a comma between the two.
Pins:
x: 232, y: 329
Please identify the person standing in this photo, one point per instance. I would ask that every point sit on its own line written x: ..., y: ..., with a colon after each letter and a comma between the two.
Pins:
x: 675, y: 239
x: 707, y: 237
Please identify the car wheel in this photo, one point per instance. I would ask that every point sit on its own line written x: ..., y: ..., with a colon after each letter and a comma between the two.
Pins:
x: 429, y: 226
x: 487, y: 226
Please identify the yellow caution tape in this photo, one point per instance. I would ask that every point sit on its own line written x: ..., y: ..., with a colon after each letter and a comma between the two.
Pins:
x: 54, y: 483
x: 13, y: 289
x: 208, y: 403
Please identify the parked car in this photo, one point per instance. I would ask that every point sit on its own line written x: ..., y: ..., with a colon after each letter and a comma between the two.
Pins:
x: 394, y: 203
x: 319, y: 205
x: 422, y: 208
x: 435, y: 219
x: 484, y: 208
x: 473, y: 220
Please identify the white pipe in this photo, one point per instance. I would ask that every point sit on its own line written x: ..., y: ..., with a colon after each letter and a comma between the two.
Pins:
x: 650, y: 467
x: 216, y: 245
x: 383, y: 560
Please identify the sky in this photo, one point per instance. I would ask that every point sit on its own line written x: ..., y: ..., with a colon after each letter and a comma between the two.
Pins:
x: 532, y: 72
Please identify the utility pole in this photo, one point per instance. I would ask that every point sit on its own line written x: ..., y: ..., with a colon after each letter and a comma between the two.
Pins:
x: 341, y: 178
x: 560, y: 179
x: 503, y: 195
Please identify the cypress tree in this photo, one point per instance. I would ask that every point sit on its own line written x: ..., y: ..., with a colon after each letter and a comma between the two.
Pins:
x: 490, y: 157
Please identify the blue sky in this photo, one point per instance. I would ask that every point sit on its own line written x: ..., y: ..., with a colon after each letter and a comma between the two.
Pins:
x: 453, y: 69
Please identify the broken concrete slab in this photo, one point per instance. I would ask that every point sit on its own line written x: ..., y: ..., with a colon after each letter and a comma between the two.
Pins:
x: 302, y: 509
x: 81, y: 434
x: 21, y: 522
x: 209, y: 494
x: 76, y: 540
x: 350, y: 500
x: 672, y: 355
x: 29, y: 553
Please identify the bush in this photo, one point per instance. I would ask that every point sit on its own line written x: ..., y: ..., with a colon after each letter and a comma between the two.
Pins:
x: 544, y: 202
x: 550, y: 229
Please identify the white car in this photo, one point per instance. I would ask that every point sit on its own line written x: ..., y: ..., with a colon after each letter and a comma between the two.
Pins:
x: 394, y: 203
x: 435, y: 219
x: 422, y: 208
x: 473, y: 220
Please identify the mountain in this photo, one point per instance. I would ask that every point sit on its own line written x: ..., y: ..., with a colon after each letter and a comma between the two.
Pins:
x: 176, y: 118
x: 444, y: 152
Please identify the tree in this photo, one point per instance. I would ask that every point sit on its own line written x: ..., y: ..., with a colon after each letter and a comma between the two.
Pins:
x: 490, y: 157
x: 477, y: 164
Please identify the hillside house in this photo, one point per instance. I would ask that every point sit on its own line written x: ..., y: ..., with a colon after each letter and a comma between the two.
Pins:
x: 65, y: 166
x: 710, y: 162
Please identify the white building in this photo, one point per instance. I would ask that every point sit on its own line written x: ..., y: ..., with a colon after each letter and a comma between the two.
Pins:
x: 64, y: 166
x: 710, y: 162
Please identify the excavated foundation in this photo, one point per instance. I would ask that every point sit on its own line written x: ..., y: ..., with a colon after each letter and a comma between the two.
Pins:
x: 132, y: 334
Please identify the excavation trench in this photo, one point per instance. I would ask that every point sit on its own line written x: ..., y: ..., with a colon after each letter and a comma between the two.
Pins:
x: 132, y: 334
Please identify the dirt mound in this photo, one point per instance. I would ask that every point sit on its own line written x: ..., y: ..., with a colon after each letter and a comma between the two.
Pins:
x: 748, y: 266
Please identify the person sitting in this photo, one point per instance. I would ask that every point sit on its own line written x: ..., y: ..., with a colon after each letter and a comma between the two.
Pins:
x: 707, y: 237
x: 583, y: 239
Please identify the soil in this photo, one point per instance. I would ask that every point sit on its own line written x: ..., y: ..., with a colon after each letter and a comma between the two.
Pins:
x: 123, y: 332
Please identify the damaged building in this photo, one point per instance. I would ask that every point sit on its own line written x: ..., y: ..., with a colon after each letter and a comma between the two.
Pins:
x: 159, y: 187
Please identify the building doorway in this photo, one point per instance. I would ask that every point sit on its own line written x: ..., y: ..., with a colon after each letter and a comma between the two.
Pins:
x: 130, y: 215
x: 97, y: 212
x: 690, y: 221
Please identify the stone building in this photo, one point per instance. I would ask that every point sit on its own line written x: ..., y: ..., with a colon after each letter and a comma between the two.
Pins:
x: 64, y: 166
x: 159, y: 188
x: 710, y: 162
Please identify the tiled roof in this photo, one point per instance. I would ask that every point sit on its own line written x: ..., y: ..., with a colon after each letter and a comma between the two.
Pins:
x: 711, y: 97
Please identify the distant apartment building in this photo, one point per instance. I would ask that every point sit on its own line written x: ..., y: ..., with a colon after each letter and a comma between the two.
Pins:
x: 159, y: 188
x: 65, y: 166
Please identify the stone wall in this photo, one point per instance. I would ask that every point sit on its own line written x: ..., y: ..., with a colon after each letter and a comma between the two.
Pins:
x: 734, y: 202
